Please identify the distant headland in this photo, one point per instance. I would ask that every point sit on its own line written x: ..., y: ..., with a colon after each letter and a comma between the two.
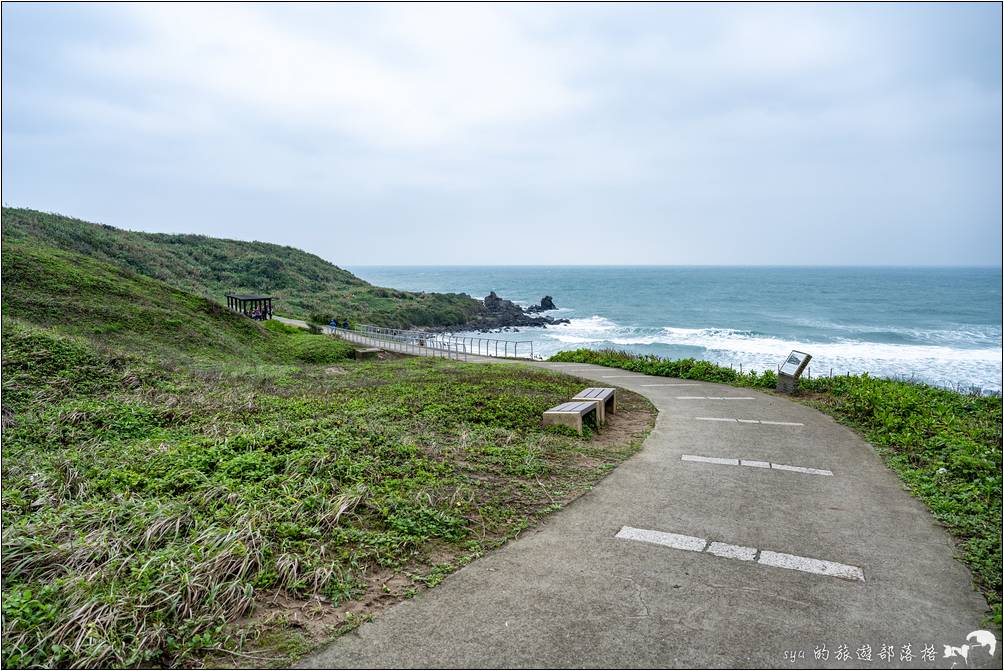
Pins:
x: 304, y: 285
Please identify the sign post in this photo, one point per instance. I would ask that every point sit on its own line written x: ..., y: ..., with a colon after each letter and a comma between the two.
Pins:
x: 791, y: 370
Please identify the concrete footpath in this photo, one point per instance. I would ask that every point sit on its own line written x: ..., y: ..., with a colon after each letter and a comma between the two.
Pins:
x: 749, y: 531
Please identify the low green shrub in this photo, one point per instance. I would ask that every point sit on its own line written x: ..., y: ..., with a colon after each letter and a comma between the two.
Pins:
x: 276, y: 326
x: 316, y: 348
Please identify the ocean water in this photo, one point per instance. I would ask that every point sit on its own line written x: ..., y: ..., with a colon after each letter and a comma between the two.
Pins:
x: 937, y: 325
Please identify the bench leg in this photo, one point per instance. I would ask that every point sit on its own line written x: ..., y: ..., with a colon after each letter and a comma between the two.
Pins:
x: 572, y: 421
x: 601, y: 415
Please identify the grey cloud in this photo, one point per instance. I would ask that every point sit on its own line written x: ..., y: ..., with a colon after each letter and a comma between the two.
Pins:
x: 832, y: 134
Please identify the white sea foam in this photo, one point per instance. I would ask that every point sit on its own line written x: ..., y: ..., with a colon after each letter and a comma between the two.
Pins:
x: 938, y: 364
x: 594, y: 323
x: 728, y: 340
x: 584, y: 331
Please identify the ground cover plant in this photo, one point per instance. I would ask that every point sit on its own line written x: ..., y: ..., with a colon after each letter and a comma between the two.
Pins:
x: 147, y: 511
x: 944, y: 444
x: 184, y: 486
x: 305, y: 285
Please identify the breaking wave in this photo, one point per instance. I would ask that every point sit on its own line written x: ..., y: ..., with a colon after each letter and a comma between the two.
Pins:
x: 967, y: 357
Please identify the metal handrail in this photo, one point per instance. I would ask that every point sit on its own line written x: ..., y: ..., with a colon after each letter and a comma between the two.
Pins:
x: 435, y: 344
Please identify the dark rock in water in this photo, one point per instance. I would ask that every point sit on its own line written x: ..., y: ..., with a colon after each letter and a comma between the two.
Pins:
x: 493, y: 303
x: 499, y: 314
x: 546, y: 303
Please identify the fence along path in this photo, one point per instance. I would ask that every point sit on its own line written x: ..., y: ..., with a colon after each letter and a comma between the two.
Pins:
x: 461, y: 348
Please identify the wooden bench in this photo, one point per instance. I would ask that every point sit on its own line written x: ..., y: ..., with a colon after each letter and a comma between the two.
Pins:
x: 572, y: 413
x: 606, y: 396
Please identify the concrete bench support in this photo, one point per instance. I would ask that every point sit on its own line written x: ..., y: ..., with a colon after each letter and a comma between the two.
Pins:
x: 607, y: 397
x: 571, y: 414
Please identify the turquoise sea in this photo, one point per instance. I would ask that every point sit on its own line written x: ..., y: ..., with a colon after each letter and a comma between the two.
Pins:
x: 937, y: 325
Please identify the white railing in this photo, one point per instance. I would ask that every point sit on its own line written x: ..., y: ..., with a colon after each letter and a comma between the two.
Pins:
x: 442, y: 345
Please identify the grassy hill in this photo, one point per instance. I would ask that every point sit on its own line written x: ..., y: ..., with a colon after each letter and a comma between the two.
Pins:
x: 183, y: 486
x: 75, y: 295
x: 306, y: 285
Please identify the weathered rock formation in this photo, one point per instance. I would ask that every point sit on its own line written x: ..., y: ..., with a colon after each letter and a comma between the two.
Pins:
x: 500, y: 313
x: 546, y: 303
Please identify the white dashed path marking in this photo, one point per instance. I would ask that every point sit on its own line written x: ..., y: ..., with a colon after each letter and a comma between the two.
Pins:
x: 801, y: 469
x: 729, y: 551
x: 715, y: 398
x: 672, y: 384
x: 747, y: 421
x: 755, y: 464
x: 810, y: 565
x: 743, y: 553
x: 710, y: 460
x: 677, y: 541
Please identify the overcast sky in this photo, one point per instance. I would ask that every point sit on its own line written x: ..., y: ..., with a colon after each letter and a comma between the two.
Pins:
x: 517, y: 134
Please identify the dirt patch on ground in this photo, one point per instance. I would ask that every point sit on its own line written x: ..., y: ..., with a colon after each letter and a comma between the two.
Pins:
x: 634, y: 418
x: 283, y: 628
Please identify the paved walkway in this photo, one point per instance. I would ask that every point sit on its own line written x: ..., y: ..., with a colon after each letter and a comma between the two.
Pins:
x: 299, y: 323
x: 411, y: 348
x: 713, y: 566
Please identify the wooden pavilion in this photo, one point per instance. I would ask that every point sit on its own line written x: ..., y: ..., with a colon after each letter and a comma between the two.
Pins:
x: 246, y: 305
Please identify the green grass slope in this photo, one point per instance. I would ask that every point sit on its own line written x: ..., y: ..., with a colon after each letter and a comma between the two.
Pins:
x: 182, y: 486
x: 76, y: 295
x: 305, y: 285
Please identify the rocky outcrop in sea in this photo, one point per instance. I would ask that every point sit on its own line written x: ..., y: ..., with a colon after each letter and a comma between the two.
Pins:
x: 546, y: 304
x: 499, y: 313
